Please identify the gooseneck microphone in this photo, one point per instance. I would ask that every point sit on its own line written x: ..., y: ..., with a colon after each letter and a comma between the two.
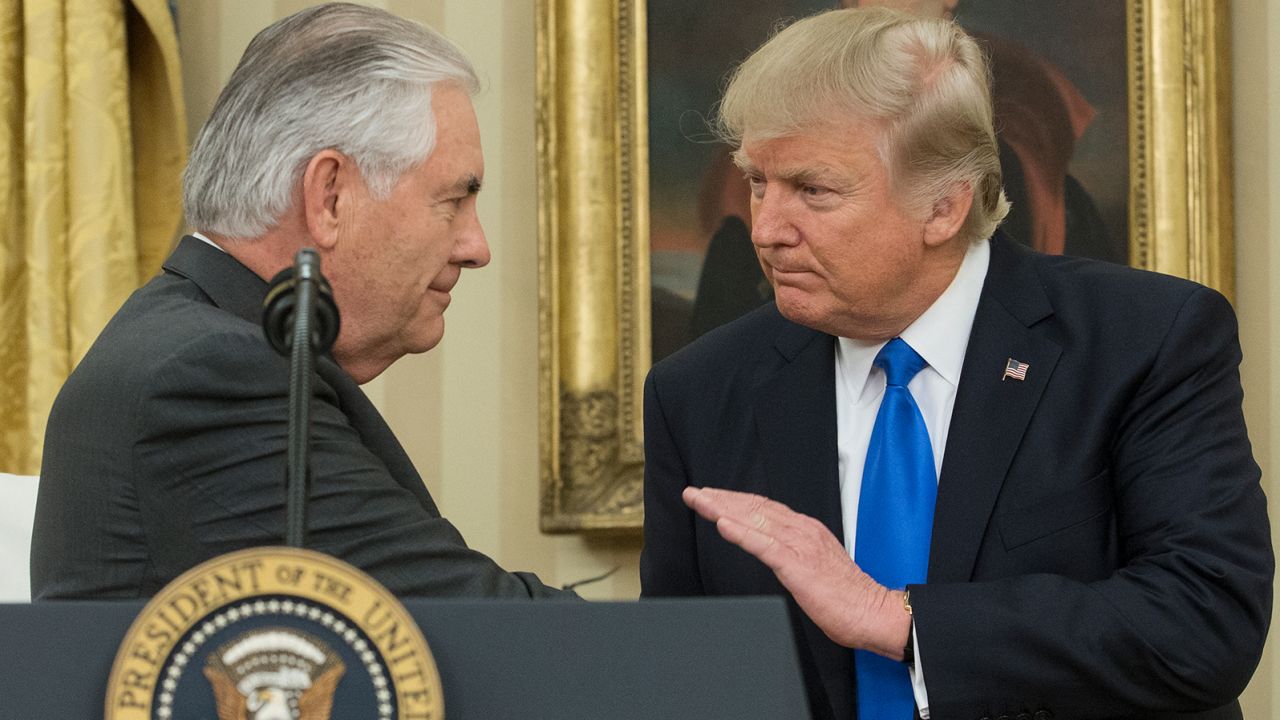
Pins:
x: 304, y: 285
x: 300, y: 320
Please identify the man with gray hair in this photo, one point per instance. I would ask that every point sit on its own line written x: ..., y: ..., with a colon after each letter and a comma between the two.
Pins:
x: 345, y: 129
x: 991, y: 483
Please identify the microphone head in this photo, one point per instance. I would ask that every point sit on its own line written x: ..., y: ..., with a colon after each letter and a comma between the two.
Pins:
x: 278, y: 307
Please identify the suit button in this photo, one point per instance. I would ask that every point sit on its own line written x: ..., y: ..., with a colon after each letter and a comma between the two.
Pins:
x: 1043, y: 715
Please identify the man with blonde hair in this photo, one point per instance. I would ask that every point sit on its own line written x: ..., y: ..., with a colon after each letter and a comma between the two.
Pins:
x: 1014, y: 485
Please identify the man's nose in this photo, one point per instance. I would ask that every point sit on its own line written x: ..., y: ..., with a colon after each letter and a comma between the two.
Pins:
x: 771, y: 223
x: 472, y: 249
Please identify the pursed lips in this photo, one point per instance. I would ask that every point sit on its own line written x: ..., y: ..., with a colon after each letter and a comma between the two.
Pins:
x: 445, y: 281
x: 442, y: 288
x: 786, y: 269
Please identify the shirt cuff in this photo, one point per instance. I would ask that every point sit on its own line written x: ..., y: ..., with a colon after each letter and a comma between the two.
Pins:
x: 917, y: 676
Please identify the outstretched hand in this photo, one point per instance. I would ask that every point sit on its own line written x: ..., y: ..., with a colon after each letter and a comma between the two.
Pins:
x: 850, y: 607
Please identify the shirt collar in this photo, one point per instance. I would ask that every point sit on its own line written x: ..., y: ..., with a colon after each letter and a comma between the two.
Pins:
x: 940, y: 334
x: 201, y: 237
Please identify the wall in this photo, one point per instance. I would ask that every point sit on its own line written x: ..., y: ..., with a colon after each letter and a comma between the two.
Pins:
x: 1256, y: 126
x: 482, y: 464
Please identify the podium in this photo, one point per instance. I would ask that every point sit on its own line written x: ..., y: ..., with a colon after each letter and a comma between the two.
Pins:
x: 706, y: 658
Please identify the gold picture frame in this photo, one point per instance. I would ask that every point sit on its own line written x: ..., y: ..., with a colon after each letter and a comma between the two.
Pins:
x: 593, y: 219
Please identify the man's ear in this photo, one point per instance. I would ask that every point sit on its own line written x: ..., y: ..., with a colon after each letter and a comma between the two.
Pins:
x: 948, y: 215
x: 327, y: 183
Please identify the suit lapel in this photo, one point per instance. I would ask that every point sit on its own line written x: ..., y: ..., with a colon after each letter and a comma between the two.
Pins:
x: 796, y: 423
x: 795, y: 413
x: 377, y: 436
x: 991, y: 413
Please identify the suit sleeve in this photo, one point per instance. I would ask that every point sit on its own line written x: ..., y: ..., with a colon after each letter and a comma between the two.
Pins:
x: 669, y: 562
x: 211, y: 471
x: 1181, y: 624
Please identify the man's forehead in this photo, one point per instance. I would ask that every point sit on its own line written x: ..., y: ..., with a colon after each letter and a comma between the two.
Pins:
x: 453, y: 167
x: 457, y: 160
x: 807, y: 153
x: 455, y: 119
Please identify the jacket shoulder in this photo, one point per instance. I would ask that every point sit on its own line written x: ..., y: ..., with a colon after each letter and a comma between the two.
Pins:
x: 1032, y: 286
x: 749, y: 338
x: 1109, y: 282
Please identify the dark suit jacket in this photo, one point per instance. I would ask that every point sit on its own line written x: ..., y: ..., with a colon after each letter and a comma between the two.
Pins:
x: 1100, y: 545
x: 166, y: 447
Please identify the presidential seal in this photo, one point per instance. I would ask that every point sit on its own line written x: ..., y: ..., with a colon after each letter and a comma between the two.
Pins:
x: 274, y: 634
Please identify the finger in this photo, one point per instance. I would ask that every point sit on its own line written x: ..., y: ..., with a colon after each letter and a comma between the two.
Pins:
x: 712, y: 503
x: 715, y: 512
x: 794, y: 552
x: 700, y: 502
x: 754, y: 509
x: 733, y: 501
x: 715, y: 504
x: 747, y: 508
x: 762, y: 545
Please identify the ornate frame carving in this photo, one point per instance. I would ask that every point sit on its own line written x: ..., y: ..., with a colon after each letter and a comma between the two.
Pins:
x: 593, y: 220
x: 1180, y: 214
x: 593, y: 257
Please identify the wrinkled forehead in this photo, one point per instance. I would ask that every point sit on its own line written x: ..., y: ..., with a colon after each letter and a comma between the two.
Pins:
x: 454, y: 113
x: 825, y: 127
x: 820, y: 117
x: 457, y: 149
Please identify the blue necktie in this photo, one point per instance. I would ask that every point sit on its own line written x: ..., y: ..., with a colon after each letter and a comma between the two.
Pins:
x: 895, y: 521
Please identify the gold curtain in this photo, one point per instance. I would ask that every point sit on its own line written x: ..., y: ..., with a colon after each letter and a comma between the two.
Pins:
x: 92, y: 145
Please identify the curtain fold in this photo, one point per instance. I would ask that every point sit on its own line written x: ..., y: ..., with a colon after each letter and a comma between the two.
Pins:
x: 92, y: 144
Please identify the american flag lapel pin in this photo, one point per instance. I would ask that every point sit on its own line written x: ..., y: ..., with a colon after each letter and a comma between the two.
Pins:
x: 1014, y: 369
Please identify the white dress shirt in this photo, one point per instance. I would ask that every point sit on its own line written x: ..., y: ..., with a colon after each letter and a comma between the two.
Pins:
x: 940, y: 336
x: 199, y: 236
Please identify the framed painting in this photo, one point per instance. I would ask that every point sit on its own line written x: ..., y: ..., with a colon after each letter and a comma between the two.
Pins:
x: 1113, y: 120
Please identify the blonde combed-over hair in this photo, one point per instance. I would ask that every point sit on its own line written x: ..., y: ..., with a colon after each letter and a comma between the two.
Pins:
x: 923, y: 82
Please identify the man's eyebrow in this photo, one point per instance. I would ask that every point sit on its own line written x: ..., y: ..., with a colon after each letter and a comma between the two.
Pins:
x: 744, y: 163
x: 805, y: 176
x: 794, y: 176
x: 468, y: 184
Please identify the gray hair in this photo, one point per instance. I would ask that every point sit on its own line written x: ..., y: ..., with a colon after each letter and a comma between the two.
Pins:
x: 923, y: 82
x: 342, y: 76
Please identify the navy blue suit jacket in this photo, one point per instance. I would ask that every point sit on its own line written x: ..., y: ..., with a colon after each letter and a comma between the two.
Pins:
x: 1100, y: 546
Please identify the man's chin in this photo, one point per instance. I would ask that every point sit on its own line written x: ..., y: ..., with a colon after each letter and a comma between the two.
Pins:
x: 794, y: 305
x: 801, y: 310
x: 427, y: 337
